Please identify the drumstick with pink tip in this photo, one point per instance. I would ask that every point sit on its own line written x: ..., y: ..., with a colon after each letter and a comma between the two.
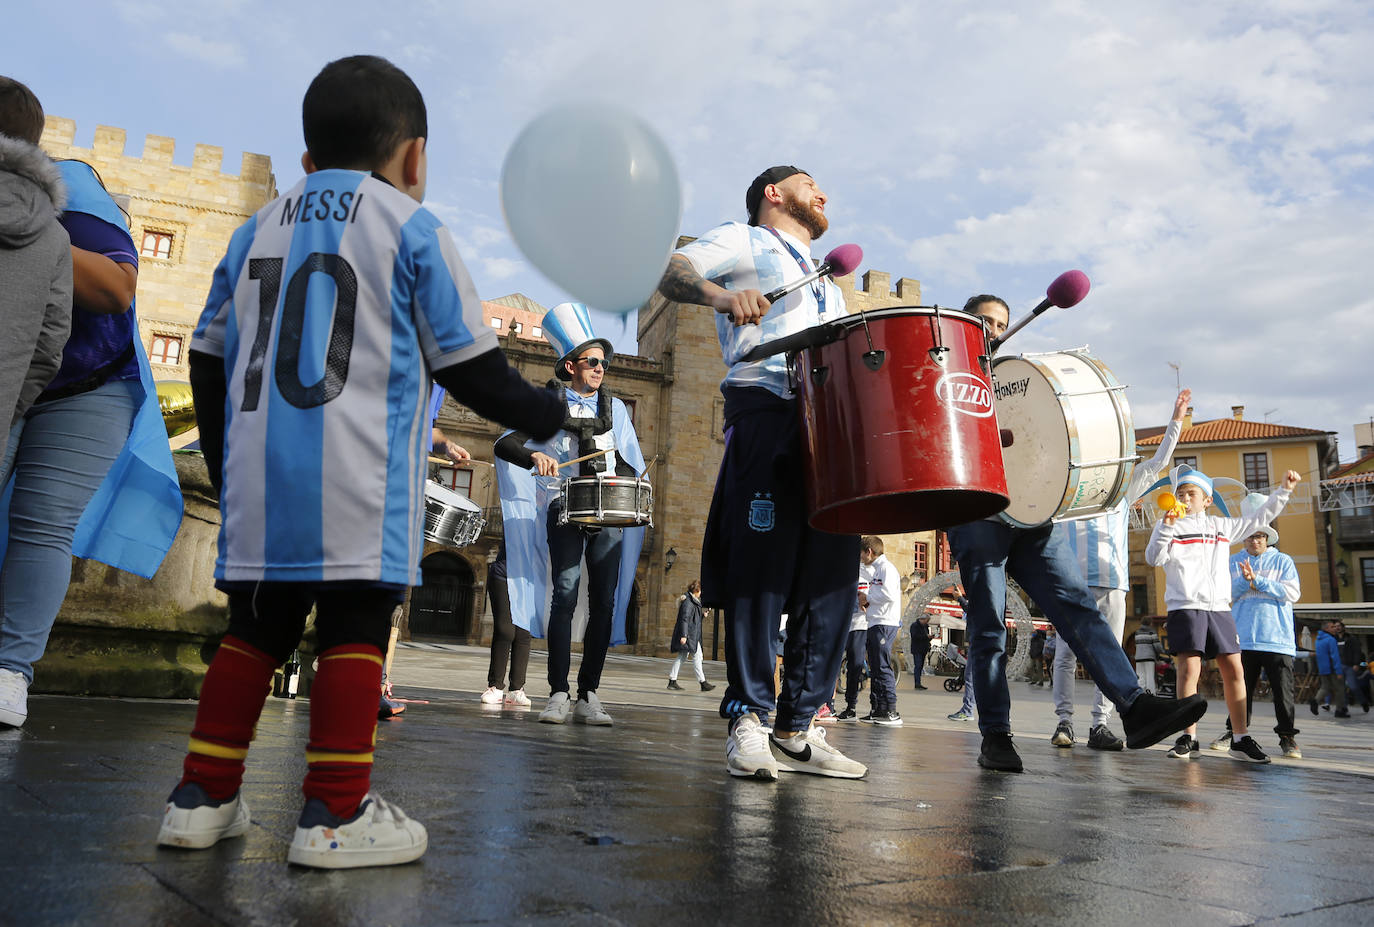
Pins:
x: 1068, y: 289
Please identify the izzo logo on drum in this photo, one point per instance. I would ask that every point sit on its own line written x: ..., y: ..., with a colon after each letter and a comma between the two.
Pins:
x: 966, y: 393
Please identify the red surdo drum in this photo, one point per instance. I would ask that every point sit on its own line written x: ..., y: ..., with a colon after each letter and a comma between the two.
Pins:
x: 898, y: 428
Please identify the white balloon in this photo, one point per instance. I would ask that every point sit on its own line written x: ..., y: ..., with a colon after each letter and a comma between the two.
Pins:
x: 592, y: 198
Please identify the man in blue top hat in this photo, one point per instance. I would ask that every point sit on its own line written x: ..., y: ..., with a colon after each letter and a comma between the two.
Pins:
x: 530, y: 485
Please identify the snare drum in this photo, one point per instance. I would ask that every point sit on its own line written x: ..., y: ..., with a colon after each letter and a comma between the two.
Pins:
x: 451, y: 518
x: 607, y: 500
x: 1073, y: 443
x: 898, y: 429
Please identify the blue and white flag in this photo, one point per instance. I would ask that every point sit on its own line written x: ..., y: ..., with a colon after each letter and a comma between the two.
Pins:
x: 524, y: 512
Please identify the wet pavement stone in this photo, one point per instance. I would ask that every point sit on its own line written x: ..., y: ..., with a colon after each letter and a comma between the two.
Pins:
x: 639, y: 823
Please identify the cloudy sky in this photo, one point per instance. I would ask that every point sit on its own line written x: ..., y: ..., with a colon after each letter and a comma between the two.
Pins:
x: 1210, y: 166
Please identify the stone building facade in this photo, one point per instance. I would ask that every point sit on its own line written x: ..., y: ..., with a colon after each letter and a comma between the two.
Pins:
x: 181, y: 218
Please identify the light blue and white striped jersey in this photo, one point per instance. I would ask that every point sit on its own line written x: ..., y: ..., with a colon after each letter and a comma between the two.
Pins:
x: 1099, y: 543
x: 330, y: 309
x: 743, y: 257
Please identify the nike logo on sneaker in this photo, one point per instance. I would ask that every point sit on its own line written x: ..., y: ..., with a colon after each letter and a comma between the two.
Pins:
x: 804, y: 754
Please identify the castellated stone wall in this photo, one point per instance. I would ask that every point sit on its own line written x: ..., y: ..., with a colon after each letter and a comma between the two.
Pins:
x: 198, y: 206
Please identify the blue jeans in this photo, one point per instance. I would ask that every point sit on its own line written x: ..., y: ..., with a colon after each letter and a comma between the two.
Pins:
x: 567, y: 543
x: 882, y: 682
x: 1039, y: 559
x: 59, y: 454
x: 968, y: 705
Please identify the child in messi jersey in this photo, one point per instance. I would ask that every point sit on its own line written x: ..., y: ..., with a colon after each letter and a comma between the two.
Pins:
x: 1195, y: 550
x: 311, y: 368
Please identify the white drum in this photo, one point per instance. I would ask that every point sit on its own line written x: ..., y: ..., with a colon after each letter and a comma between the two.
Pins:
x: 451, y: 518
x: 1072, y: 441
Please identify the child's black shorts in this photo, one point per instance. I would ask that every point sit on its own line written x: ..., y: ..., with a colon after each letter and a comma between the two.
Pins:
x: 1204, y: 632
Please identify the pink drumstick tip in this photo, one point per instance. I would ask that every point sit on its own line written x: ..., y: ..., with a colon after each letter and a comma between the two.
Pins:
x: 1068, y: 289
x: 845, y: 259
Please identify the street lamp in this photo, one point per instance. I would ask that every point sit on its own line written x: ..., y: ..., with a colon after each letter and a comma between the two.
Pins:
x: 669, y: 559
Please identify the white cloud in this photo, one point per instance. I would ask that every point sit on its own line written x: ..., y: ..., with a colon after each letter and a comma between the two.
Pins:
x: 217, y: 53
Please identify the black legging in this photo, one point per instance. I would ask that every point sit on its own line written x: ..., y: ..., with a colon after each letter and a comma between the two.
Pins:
x: 508, y: 643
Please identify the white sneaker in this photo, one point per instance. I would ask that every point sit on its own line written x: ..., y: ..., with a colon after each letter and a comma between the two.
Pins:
x: 516, y: 698
x: 378, y: 835
x: 1221, y: 743
x: 493, y: 696
x: 589, y: 711
x: 14, y: 698
x: 808, y: 752
x: 746, y: 750
x: 192, y: 821
x: 556, y: 711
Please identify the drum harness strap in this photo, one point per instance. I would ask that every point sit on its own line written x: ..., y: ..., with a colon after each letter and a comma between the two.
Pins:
x: 586, y: 429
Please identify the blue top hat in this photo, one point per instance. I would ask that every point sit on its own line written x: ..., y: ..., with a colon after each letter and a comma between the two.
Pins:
x: 568, y: 327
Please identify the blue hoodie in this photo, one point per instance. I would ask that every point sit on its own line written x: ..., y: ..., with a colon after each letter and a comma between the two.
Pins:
x: 1264, y: 611
x: 1328, y: 655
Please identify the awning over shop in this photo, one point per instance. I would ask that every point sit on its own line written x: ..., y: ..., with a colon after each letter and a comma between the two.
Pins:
x: 1358, y: 616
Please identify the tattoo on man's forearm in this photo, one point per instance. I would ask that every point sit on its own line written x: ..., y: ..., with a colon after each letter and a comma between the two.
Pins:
x: 681, y: 283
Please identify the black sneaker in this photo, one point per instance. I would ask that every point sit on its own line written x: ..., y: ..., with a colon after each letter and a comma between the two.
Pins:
x: 999, y: 754
x: 848, y: 714
x: 1341, y: 713
x: 869, y: 718
x: 1184, y: 748
x: 920, y: 687
x: 707, y: 686
x: 1246, y: 750
x: 1289, y: 747
x: 888, y: 719
x: 1312, y: 704
x: 1151, y: 718
x: 672, y: 684
x: 1101, y: 738
x: 1063, y: 734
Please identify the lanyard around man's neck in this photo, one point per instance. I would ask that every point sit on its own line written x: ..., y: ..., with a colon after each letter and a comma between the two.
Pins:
x: 818, y: 286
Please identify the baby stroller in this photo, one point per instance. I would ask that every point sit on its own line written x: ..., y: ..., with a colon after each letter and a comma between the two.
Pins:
x: 959, y: 662
x: 1166, y: 679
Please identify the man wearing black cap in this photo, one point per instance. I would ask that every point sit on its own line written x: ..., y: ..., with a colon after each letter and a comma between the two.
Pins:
x: 760, y: 557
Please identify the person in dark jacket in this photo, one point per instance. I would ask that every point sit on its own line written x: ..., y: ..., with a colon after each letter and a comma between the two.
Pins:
x: 920, y: 646
x: 686, y: 640
x: 1331, y: 671
x: 1352, y: 658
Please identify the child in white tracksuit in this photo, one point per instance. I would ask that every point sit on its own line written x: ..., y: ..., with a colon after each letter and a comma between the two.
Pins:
x: 1195, y: 550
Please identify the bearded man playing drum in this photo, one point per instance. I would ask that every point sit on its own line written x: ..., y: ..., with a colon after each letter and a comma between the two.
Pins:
x: 1040, y: 560
x: 760, y: 556
x: 595, y: 421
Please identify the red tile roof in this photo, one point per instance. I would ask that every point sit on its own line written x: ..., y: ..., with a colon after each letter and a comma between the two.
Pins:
x: 1350, y: 479
x: 1364, y: 466
x: 1232, y: 429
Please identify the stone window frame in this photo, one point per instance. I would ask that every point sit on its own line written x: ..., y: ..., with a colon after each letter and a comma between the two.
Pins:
x: 152, y: 351
x: 176, y: 231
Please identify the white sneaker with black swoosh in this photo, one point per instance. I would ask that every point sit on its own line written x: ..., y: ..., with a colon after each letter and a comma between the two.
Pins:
x: 808, y: 752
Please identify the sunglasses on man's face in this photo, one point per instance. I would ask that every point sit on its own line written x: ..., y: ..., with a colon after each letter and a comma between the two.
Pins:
x: 594, y: 362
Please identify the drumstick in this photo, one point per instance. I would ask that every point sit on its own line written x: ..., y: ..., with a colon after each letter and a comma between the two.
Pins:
x: 446, y: 462
x: 650, y: 466
x: 579, y: 459
x: 391, y: 646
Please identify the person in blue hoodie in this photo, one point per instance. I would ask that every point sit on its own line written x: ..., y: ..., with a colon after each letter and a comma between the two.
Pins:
x: 1330, y: 670
x: 1264, y: 588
